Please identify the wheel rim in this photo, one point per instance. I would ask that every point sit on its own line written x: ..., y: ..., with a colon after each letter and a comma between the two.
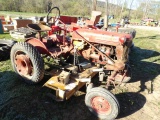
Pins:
x: 100, y: 105
x: 23, y: 64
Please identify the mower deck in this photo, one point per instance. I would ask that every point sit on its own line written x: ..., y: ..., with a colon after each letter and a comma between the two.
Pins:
x: 65, y: 91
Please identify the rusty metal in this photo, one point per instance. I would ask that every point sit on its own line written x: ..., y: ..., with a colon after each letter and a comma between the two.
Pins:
x: 100, y: 105
x: 106, y: 53
x: 23, y: 64
x: 40, y: 45
x: 81, y: 37
x: 111, y: 79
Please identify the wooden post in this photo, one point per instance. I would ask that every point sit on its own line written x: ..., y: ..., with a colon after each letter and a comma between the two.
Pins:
x: 94, y: 4
x: 106, y: 16
x: 130, y: 9
x: 122, y: 11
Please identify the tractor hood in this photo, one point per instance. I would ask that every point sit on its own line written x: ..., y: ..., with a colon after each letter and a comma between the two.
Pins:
x: 101, y: 36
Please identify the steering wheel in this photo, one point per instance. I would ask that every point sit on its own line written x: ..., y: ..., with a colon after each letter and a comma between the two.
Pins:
x: 55, y: 17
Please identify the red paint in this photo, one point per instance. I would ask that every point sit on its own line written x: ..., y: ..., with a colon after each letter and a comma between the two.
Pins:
x: 39, y: 45
x: 100, y: 105
x: 23, y: 64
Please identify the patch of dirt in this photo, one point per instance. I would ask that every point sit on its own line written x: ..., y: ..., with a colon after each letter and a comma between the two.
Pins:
x: 145, y: 27
x: 141, y: 104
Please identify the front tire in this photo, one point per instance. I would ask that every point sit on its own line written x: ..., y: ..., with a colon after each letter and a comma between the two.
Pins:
x: 102, y: 103
x: 27, y: 62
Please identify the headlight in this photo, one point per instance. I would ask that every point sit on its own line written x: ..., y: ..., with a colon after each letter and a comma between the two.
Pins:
x: 122, y: 40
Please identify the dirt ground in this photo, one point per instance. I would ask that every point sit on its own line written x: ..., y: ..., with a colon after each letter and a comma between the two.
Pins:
x: 143, y: 92
x: 145, y: 28
x: 143, y: 100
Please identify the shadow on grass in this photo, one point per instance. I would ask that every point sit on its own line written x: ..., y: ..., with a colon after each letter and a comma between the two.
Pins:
x: 130, y: 103
x: 22, y: 101
x: 149, y: 37
x: 144, y: 67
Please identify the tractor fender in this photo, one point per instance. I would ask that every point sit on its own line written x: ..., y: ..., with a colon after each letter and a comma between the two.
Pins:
x: 39, y: 45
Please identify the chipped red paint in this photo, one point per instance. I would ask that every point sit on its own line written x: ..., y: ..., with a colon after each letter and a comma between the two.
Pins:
x: 100, y: 105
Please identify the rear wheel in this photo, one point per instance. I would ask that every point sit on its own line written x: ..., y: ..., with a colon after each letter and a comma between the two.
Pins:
x: 102, y: 103
x: 27, y: 62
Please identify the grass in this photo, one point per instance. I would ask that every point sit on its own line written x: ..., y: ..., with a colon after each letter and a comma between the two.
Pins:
x: 19, y: 100
x: 118, y: 20
x: 23, y: 14
x: 6, y: 35
x: 147, y: 52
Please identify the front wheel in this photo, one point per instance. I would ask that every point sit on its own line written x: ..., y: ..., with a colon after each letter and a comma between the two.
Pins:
x: 27, y: 62
x: 102, y: 103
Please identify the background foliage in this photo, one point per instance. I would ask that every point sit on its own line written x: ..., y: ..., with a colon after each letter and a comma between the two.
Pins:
x: 118, y: 8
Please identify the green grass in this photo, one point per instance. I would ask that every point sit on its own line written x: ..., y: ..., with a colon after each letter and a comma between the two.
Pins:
x: 145, y: 57
x: 6, y: 35
x: 149, y: 40
x: 23, y: 14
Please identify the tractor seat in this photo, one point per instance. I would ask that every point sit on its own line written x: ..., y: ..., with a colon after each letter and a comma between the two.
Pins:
x: 39, y: 27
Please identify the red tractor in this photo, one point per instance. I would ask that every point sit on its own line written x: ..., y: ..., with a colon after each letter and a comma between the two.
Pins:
x: 104, y: 53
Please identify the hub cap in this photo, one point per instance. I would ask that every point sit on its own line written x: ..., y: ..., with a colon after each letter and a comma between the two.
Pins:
x: 100, y: 105
x: 23, y: 65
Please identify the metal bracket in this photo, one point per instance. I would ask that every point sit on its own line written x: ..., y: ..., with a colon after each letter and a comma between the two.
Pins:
x: 101, y: 76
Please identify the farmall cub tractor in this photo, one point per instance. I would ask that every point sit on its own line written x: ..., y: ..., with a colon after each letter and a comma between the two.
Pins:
x: 104, y: 53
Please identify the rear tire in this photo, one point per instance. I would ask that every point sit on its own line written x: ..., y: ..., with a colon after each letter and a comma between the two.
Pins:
x: 102, y: 103
x: 27, y: 62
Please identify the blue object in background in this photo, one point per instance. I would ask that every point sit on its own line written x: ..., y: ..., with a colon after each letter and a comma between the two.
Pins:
x: 114, y: 24
x: 1, y: 27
